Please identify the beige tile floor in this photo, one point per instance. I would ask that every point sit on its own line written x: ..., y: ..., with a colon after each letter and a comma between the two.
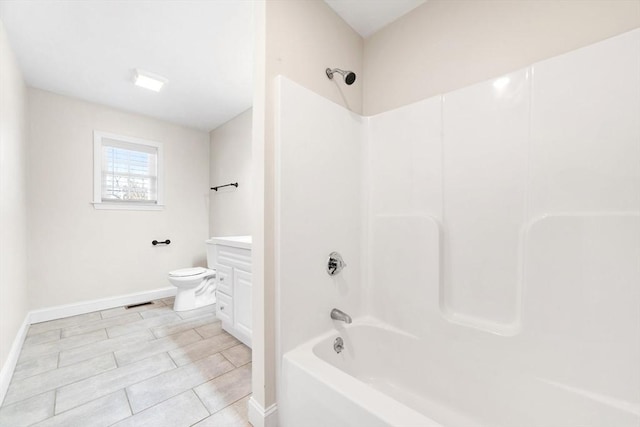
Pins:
x: 145, y: 366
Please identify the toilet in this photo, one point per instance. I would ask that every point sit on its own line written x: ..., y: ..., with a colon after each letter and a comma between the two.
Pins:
x: 196, y: 287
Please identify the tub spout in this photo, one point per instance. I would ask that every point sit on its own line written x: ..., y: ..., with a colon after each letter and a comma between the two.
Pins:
x: 340, y: 315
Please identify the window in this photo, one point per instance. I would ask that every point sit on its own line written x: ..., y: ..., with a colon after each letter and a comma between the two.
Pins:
x: 127, y: 172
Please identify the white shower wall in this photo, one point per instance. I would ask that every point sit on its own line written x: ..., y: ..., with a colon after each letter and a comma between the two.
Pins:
x: 527, y: 225
x: 501, y: 220
x: 319, y: 199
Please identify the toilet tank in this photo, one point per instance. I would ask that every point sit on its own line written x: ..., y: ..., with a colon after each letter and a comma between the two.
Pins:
x: 243, y: 242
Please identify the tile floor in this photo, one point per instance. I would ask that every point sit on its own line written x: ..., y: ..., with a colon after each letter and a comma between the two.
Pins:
x: 145, y: 366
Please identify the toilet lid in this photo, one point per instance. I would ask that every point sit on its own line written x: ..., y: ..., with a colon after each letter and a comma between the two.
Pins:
x: 184, y: 272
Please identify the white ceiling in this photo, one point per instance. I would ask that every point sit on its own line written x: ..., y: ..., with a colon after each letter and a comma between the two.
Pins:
x: 368, y: 16
x: 89, y: 49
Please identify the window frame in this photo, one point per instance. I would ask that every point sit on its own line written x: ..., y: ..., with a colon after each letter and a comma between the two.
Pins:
x: 98, y: 203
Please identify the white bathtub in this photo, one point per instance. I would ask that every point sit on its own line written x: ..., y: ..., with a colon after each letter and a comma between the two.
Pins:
x: 385, y: 377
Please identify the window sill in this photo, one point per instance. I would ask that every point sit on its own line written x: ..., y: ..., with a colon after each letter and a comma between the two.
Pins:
x: 127, y: 206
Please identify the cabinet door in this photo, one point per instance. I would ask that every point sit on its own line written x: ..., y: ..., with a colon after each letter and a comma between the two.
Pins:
x: 242, y: 302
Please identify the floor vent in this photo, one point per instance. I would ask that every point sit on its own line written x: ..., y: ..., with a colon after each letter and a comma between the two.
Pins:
x: 138, y: 305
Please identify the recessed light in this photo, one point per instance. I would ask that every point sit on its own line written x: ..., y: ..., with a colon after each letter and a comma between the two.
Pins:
x: 148, y: 80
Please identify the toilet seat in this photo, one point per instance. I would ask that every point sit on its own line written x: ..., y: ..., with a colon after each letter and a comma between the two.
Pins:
x: 187, y: 272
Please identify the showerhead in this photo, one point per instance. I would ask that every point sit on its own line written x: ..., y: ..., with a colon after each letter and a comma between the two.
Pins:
x: 349, y: 76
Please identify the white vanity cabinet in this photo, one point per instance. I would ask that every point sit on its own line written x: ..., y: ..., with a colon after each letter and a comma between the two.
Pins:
x: 232, y: 262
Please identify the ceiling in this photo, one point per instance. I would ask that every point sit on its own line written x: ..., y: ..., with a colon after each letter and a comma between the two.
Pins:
x: 368, y: 16
x: 89, y: 50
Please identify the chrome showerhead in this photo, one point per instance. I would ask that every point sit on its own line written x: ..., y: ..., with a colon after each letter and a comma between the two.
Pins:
x: 349, y: 76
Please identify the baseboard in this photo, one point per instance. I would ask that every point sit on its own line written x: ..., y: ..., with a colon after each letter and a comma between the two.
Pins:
x: 12, y: 358
x: 261, y: 417
x: 61, y: 311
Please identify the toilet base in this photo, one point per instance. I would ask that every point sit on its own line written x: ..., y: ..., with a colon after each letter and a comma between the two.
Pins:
x: 190, y: 299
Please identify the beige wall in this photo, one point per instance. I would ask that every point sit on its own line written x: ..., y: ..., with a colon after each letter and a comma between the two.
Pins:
x: 78, y: 253
x: 448, y: 44
x: 297, y: 39
x: 230, y: 211
x: 306, y: 37
x: 13, y: 206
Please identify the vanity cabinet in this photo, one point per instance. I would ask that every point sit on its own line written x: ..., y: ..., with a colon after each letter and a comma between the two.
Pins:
x: 232, y: 262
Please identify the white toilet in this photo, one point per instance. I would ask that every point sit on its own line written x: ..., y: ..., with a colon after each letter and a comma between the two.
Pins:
x: 196, y: 287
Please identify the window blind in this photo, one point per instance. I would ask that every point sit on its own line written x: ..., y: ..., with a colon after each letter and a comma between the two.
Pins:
x: 129, y: 172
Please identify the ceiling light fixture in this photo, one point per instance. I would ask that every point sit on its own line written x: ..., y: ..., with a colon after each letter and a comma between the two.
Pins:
x: 148, y: 80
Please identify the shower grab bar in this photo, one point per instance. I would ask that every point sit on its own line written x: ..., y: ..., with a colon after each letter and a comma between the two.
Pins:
x: 166, y: 242
x: 235, y: 184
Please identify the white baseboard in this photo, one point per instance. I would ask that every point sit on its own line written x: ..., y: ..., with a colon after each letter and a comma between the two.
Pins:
x: 61, y: 311
x: 12, y: 358
x: 261, y: 417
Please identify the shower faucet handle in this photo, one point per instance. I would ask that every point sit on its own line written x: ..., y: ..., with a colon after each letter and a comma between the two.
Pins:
x: 335, y: 264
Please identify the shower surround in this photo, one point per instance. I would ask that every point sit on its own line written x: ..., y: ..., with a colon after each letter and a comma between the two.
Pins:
x: 492, y: 242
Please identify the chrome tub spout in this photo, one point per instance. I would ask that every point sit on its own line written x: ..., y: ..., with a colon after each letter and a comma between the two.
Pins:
x: 340, y: 315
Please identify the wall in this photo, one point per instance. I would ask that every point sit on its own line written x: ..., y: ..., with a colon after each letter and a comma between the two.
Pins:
x: 298, y: 40
x: 444, y: 45
x: 503, y: 221
x: 305, y: 38
x: 78, y: 253
x: 505, y: 216
x: 319, y: 203
x: 230, y: 161
x: 13, y: 205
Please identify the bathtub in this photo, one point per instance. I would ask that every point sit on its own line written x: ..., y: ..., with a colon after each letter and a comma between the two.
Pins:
x: 385, y: 377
